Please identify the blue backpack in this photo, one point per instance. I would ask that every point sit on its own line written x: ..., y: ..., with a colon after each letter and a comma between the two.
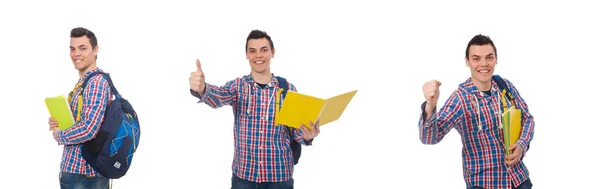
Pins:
x: 296, y: 147
x: 110, y: 153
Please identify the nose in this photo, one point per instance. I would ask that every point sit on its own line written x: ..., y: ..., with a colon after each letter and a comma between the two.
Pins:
x: 486, y: 62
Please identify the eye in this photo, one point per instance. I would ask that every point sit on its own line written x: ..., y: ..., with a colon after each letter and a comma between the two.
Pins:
x: 490, y: 58
x: 476, y: 58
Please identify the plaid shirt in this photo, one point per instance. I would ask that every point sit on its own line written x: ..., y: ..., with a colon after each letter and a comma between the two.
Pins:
x: 262, y: 150
x: 95, y: 99
x: 475, y: 115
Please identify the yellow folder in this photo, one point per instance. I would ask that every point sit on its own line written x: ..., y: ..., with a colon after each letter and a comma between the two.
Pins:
x: 60, y: 110
x: 298, y: 109
x: 511, y: 120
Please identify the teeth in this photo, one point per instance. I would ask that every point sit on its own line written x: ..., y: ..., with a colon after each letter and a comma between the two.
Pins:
x: 484, y: 71
x: 77, y: 61
x: 259, y: 62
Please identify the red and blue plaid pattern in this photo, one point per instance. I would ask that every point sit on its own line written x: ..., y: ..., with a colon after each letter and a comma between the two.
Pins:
x: 483, y: 149
x: 96, y: 97
x: 262, y: 150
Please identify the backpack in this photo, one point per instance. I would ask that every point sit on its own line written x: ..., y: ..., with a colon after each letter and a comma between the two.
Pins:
x: 110, y: 153
x: 296, y: 147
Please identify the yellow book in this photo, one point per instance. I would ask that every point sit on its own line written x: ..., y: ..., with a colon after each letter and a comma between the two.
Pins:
x: 298, y: 109
x: 511, y: 120
x: 60, y: 110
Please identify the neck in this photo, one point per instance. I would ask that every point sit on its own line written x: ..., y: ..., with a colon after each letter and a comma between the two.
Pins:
x: 482, y: 86
x: 89, y: 68
x: 262, y: 78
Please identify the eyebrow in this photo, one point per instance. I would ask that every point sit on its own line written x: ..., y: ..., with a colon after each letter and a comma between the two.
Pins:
x: 79, y: 46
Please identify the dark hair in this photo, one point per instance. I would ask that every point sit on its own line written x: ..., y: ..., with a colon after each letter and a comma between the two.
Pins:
x: 80, y: 32
x: 258, y: 34
x: 480, y: 40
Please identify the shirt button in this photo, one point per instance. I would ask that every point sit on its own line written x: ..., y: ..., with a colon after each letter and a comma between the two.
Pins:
x: 260, y: 147
x: 259, y: 162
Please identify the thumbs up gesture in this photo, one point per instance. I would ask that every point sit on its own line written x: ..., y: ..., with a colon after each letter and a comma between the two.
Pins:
x: 197, y: 79
x: 431, y: 91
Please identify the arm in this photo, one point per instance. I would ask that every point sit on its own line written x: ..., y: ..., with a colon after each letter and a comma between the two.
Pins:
x: 95, y: 100
x: 433, y: 130
x: 526, y: 120
x: 216, y: 96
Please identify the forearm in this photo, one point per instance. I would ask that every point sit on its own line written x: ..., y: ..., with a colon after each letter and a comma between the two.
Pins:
x: 215, y: 96
x: 427, y: 126
x: 300, y: 139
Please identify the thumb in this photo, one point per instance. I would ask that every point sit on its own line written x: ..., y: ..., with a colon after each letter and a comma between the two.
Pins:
x: 438, y: 83
x: 198, y: 66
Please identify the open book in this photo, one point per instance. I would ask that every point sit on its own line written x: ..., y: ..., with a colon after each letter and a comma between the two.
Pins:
x: 60, y: 110
x: 298, y: 109
x: 511, y: 121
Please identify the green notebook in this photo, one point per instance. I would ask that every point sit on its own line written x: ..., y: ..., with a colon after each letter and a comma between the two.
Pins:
x: 60, y: 110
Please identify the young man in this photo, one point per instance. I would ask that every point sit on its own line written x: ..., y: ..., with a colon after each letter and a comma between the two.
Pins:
x: 75, y: 173
x: 263, y: 157
x: 474, y: 110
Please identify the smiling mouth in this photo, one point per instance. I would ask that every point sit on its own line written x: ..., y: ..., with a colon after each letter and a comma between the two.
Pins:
x: 78, y: 60
x: 484, y: 71
x: 259, y: 62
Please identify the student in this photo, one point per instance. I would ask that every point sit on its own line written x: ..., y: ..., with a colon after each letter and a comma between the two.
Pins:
x: 262, y: 156
x: 474, y: 110
x: 75, y: 173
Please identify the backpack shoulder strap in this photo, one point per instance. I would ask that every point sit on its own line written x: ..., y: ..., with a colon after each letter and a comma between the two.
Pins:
x: 281, y: 92
x: 504, y: 90
x: 84, y: 84
x: 107, y: 77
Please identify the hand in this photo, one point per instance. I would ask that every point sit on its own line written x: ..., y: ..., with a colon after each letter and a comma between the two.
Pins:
x: 55, y: 130
x: 309, y: 134
x: 197, y: 79
x: 53, y: 123
x: 515, y: 157
x: 431, y: 91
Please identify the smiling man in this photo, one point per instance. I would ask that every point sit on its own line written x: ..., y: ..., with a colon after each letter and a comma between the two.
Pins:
x: 74, y: 171
x: 474, y: 110
x: 263, y: 156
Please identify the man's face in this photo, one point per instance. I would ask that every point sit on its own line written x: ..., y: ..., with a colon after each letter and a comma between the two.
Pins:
x: 259, y: 54
x: 82, y: 54
x: 481, y: 61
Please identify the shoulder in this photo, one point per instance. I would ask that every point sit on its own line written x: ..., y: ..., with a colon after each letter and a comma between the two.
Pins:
x: 290, y: 85
x: 507, y: 82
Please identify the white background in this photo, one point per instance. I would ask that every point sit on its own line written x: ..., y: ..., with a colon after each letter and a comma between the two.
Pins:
x: 384, y: 50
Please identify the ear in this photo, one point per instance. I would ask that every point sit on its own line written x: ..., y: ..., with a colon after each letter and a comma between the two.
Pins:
x: 96, y: 51
x: 247, y: 55
x: 467, y: 61
x: 272, y: 53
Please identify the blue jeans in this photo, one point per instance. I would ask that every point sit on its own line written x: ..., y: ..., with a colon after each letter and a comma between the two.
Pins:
x: 525, y: 185
x: 77, y: 181
x: 238, y: 183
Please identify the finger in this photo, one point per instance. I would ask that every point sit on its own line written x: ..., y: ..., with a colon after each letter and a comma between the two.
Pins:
x: 513, y: 147
x: 198, y: 66
x: 512, y: 161
x: 304, y: 129
x: 439, y: 83
x: 512, y: 156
